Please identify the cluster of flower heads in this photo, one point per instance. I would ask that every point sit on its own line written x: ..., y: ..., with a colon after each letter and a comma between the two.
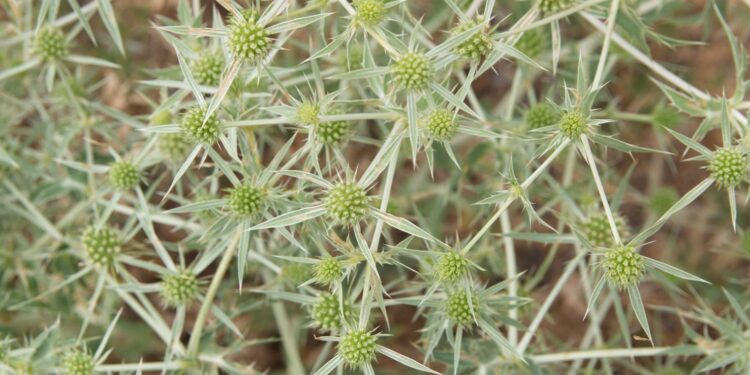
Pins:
x: 331, y: 283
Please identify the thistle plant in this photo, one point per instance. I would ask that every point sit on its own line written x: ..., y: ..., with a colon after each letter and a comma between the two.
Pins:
x: 372, y: 176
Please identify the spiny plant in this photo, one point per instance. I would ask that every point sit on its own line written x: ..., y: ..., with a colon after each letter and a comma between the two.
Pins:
x: 364, y: 172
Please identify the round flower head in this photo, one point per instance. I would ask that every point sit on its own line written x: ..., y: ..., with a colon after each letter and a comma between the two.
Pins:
x: 78, y: 362
x: 540, y: 115
x: 248, y: 41
x: 412, y: 71
x: 729, y: 166
x: 551, y: 6
x: 196, y: 130
x: 369, y: 12
x: 347, y: 202
x: 50, y: 44
x: 597, y: 231
x: 101, y: 245
x: 357, y: 348
x: 307, y: 113
x: 179, y: 288
x: 477, y: 46
x: 327, y: 313
x: 332, y: 132
x: 623, y: 267
x: 207, y: 69
x: 451, y: 267
x: 328, y: 271
x: 441, y: 124
x: 572, y: 124
x: 246, y: 200
x: 173, y: 145
x: 123, y: 175
x: 458, y: 309
x: 531, y: 43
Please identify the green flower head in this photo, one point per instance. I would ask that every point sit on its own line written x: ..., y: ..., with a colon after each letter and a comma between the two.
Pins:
x: 729, y: 166
x: 246, y: 200
x: 540, y: 115
x: 623, y: 266
x: 347, y: 203
x: 101, y: 245
x: 357, y: 348
x: 552, y: 6
x: 307, y: 113
x: 451, y: 267
x: 248, y: 40
x: 412, y: 71
x: 597, y: 231
x: 369, y: 12
x: 459, y: 309
x: 441, y: 124
x: 208, y: 68
x: 50, y: 44
x: 573, y: 124
x: 332, y: 132
x: 196, y: 130
x: 173, y: 145
x: 77, y: 362
x: 123, y: 175
x: 179, y: 288
x: 477, y: 46
x: 329, y: 315
x: 328, y: 271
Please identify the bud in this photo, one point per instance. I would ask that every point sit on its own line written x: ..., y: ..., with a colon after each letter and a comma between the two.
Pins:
x: 78, y: 363
x: 248, y: 41
x: 369, y: 12
x: 307, y: 113
x: 624, y: 267
x: 451, y: 267
x: 729, y: 166
x: 246, y: 200
x: 195, y: 130
x: 328, y: 271
x: 332, y: 132
x: 179, y: 288
x: 208, y: 68
x: 552, y: 6
x: 458, y: 309
x: 441, y: 124
x: 572, y: 124
x: 347, y: 203
x: 101, y: 245
x: 123, y: 175
x: 50, y: 44
x: 540, y: 115
x: 477, y: 46
x: 412, y: 71
x: 597, y: 231
x: 357, y: 348
x: 327, y: 313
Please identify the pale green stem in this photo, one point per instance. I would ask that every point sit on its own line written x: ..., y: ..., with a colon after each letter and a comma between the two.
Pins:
x: 600, y: 188
x: 614, y: 7
x: 542, y: 313
x: 213, y: 288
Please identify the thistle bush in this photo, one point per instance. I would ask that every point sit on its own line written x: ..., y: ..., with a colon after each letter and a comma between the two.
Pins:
x: 373, y: 186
